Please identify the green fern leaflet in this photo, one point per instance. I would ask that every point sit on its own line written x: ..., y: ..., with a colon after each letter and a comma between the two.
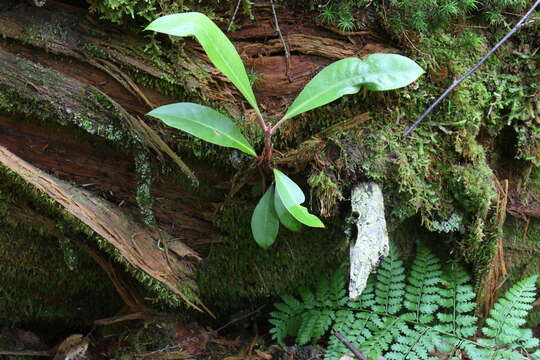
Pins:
x: 411, y: 318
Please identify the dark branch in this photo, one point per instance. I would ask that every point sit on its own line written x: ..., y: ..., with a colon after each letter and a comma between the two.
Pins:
x: 518, y: 26
x: 349, y: 346
x: 233, y: 15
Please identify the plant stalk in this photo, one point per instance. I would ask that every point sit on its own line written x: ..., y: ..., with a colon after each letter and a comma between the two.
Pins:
x: 278, y: 124
x: 262, y: 123
x: 266, y: 156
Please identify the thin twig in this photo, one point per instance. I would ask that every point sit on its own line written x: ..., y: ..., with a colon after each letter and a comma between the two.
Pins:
x: 121, y: 318
x: 349, y: 346
x: 26, y: 353
x: 240, y: 318
x: 234, y: 15
x: 287, y: 54
x: 518, y: 26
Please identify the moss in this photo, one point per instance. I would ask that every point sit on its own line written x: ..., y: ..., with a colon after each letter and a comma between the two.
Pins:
x: 532, y: 181
x: 65, y: 226
x: 144, y: 198
x: 38, y: 285
x: 443, y: 172
x: 127, y: 11
x: 236, y: 273
x: 440, y: 176
x: 326, y: 190
x: 91, y: 111
x: 87, y: 108
x: 39, y: 288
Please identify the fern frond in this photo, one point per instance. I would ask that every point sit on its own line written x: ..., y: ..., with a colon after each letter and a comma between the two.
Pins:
x: 372, y: 324
x: 391, y: 327
x: 308, y: 298
x: 314, y: 325
x: 389, y: 288
x: 344, y: 324
x: 286, y: 321
x: 359, y: 327
x: 367, y: 298
x: 357, y: 323
x: 310, y: 318
x: 505, y: 337
x: 422, y: 294
x: 338, y: 288
x: 457, y: 297
x: 331, y: 290
x: 416, y: 343
x: 510, y: 312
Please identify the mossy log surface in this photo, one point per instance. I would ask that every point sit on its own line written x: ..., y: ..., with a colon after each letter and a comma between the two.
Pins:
x: 74, y: 90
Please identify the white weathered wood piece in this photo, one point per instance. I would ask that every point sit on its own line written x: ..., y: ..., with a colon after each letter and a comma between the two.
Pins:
x: 371, y: 243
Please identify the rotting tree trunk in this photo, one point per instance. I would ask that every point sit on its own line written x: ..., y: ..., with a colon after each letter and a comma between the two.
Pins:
x: 60, y: 71
x: 73, y: 92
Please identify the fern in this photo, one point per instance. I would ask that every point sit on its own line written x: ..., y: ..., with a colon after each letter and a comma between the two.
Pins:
x: 390, y: 328
x: 456, y: 298
x: 408, y: 320
x: 310, y: 318
x: 505, y: 339
x: 415, y: 342
x: 422, y: 296
x: 422, y: 299
x: 390, y: 285
x: 286, y: 321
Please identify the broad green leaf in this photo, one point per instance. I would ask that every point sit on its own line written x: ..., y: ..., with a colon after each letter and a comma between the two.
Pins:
x: 296, y: 194
x: 284, y: 216
x: 292, y: 196
x: 214, y: 42
x: 264, y: 221
x: 378, y: 72
x: 302, y: 214
x: 205, y: 123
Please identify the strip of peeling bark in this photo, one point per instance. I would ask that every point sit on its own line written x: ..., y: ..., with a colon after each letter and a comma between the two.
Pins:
x: 61, y: 102
x: 135, y: 242
x: 66, y: 100
x: 70, y: 33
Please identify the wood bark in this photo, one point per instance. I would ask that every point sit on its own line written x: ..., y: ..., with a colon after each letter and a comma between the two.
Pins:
x: 72, y: 119
x: 73, y: 113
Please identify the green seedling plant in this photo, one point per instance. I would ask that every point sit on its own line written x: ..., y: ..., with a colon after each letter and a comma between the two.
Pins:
x: 281, y: 203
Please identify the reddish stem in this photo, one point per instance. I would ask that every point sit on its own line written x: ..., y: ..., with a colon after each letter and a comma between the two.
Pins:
x: 266, y: 156
x: 265, y: 159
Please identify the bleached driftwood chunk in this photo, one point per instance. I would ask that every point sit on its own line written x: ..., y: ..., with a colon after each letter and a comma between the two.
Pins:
x: 371, y: 243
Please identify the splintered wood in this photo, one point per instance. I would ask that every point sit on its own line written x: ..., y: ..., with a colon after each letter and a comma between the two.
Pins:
x: 135, y: 242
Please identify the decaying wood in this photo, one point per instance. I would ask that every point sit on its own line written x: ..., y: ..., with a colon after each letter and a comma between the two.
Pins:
x: 105, y: 170
x: 66, y: 101
x: 120, y: 318
x: 65, y: 98
x: 70, y: 34
x: 497, y: 272
x: 132, y: 300
x: 520, y: 210
x: 81, y: 58
x: 371, y: 244
x: 26, y: 353
x: 135, y: 242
